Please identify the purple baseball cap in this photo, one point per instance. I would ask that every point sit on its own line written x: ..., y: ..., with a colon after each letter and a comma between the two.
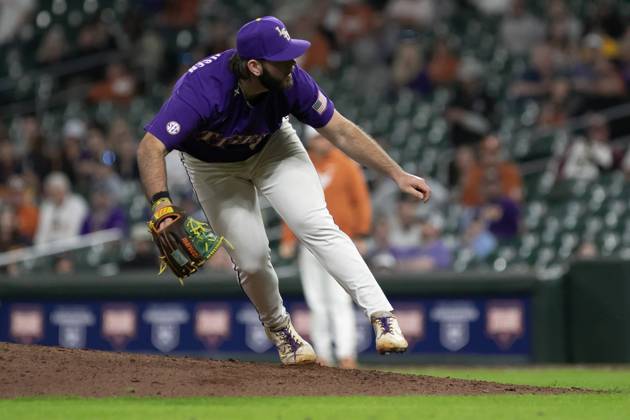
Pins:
x: 267, y: 38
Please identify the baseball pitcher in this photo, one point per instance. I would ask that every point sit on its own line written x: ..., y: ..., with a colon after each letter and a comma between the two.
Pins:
x: 227, y: 116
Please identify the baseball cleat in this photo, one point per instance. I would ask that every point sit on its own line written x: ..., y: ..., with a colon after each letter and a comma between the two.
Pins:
x: 292, y: 348
x: 389, y: 337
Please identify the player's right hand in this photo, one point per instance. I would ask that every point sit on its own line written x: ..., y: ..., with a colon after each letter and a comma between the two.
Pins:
x: 414, y: 185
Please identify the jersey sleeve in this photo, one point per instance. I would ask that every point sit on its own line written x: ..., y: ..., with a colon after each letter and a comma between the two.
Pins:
x: 179, y: 116
x: 310, y: 105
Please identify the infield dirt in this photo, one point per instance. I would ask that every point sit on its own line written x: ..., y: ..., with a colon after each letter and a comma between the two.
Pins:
x: 38, y: 370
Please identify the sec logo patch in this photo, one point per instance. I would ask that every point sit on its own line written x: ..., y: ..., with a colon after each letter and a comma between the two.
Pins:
x: 172, y: 127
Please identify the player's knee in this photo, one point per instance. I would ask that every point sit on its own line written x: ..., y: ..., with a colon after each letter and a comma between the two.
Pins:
x: 315, y: 229
x: 254, y: 263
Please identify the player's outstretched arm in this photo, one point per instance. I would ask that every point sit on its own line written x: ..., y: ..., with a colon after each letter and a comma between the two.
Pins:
x: 151, y: 153
x: 354, y: 142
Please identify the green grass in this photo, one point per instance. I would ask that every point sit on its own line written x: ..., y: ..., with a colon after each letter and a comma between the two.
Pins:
x: 609, y: 379
x: 613, y: 405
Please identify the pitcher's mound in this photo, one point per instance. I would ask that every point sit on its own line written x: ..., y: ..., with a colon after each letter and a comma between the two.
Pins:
x: 38, y: 370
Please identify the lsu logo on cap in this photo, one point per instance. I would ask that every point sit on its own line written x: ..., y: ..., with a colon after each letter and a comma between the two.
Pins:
x: 172, y: 127
x: 283, y: 33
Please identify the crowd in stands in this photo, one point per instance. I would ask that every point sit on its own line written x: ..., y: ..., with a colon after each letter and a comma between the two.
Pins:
x: 76, y: 177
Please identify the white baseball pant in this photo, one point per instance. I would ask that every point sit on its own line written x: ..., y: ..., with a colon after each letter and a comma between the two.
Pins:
x: 332, y: 314
x: 284, y: 174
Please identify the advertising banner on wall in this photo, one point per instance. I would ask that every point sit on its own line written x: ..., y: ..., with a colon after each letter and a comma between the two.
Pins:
x: 433, y: 326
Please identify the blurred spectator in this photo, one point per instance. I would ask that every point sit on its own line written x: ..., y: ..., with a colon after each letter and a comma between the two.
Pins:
x: 357, y: 21
x: 149, y: 55
x: 500, y: 213
x: 443, y: 63
x: 536, y: 81
x: 74, y: 132
x: 104, y: 212
x: 564, y: 30
x: 217, y: 35
x: 380, y: 256
x: 10, y: 236
x: 600, y: 83
x: 588, y: 156
x: 106, y: 175
x: 404, y: 227
x: 119, y: 85
x: 559, y: 107
x: 319, y: 55
x: 478, y: 239
x: 431, y: 254
x: 22, y: 203
x: 9, y: 163
x: 492, y: 7
x: 13, y: 15
x: 97, y: 146
x: 520, y: 30
x: 122, y: 143
x: 61, y: 212
x: 94, y: 37
x: 179, y: 13
x: 53, y: 47
x: 408, y: 67
x: 492, y: 167
x: 462, y: 163
x: 37, y: 156
x: 417, y: 14
x: 84, y: 160
x: 126, y: 164
x: 351, y: 26
x: 470, y: 110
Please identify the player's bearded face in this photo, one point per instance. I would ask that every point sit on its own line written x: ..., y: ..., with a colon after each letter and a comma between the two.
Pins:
x: 277, y: 75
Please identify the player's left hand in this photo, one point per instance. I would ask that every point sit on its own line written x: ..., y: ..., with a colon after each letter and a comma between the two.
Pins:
x: 414, y: 185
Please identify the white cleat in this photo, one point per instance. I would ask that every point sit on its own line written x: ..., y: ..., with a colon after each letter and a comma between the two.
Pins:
x: 389, y: 337
x: 292, y: 348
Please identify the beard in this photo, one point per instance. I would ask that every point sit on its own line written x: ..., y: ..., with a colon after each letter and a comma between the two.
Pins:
x: 274, y: 84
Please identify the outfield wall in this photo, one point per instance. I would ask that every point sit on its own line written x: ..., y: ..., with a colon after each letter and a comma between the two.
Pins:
x: 447, y: 317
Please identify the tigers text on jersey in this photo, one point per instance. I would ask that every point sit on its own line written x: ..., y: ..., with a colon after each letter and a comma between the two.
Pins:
x: 208, y: 117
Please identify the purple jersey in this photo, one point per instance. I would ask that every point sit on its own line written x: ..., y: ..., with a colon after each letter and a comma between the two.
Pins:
x: 208, y: 117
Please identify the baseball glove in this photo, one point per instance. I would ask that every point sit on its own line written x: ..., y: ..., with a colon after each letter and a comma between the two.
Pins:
x: 185, y: 244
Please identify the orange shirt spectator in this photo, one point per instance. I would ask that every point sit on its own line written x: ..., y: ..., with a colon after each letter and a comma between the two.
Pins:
x: 25, y: 211
x: 118, y: 86
x: 180, y: 13
x: 345, y: 190
x: 317, y: 56
x: 491, y: 168
x: 443, y: 65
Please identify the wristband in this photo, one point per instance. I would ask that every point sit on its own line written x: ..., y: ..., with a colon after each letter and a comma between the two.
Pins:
x: 162, y: 194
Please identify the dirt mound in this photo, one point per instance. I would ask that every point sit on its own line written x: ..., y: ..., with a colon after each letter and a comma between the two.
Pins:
x: 38, y: 370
